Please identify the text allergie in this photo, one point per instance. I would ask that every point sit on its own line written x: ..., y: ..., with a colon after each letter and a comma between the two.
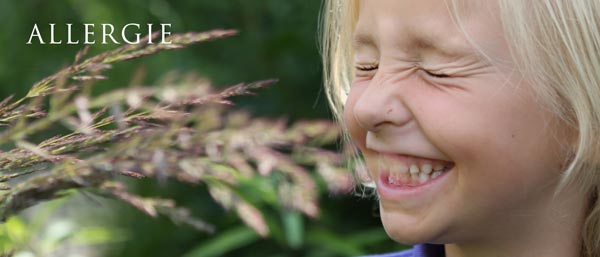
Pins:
x: 107, y: 34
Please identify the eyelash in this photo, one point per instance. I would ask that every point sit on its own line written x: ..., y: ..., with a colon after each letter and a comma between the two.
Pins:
x: 366, y: 68
x: 374, y: 67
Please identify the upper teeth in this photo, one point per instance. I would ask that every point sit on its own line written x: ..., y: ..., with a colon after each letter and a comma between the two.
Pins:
x: 426, y: 168
x: 401, y: 173
x: 414, y: 169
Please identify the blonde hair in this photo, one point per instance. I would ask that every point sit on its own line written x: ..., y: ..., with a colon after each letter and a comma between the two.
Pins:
x: 554, y: 43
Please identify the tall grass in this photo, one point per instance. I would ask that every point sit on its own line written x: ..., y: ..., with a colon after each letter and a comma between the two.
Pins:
x: 179, y: 129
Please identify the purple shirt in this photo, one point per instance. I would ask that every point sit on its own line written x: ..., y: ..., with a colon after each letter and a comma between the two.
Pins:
x: 422, y: 250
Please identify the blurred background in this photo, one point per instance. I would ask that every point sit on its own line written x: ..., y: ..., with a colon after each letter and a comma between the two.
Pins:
x: 277, y: 39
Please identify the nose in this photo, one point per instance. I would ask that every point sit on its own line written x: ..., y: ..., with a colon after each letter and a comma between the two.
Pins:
x: 381, y: 103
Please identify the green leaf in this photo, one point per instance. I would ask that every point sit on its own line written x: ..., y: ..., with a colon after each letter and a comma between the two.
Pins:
x: 294, y: 228
x: 225, y: 242
x: 13, y: 234
x: 262, y: 188
x: 16, y: 229
x: 100, y: 235
x: 6, y: 244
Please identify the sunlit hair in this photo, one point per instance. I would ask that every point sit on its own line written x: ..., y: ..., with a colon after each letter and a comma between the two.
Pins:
x: 338, y: 19
x: 555, y: 45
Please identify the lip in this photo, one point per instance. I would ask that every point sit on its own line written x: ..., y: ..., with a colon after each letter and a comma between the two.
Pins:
x: 409, y: 158
x: 406, y: 194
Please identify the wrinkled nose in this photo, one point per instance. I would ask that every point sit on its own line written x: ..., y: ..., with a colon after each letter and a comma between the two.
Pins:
x: 381, y: 104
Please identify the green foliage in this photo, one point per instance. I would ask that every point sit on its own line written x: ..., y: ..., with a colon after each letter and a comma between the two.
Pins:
x: 12, y: 234
x: 225, y: 242
x: 38, y: 236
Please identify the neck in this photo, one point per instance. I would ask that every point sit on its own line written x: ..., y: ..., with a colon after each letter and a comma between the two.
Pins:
x: 548, y: 233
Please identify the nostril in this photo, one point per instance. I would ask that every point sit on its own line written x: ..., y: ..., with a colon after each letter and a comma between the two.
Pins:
x: 374, y: 109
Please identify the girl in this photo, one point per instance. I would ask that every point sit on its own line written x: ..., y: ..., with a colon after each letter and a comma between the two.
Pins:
x: 477, y: 120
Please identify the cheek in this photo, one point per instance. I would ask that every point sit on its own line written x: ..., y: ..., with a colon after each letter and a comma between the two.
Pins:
x: 504, y: 149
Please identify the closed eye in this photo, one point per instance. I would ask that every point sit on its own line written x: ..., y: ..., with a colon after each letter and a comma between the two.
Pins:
x: 371, y: 67
x: 436, y: 75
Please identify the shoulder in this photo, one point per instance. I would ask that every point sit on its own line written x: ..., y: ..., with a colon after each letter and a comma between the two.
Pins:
x: 422, y: 250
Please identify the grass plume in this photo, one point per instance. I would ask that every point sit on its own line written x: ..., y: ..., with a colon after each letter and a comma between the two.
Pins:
x: 179, y: 129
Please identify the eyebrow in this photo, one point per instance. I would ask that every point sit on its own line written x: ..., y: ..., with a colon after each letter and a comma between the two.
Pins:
x: 363, y: 39
x: 419, y: 42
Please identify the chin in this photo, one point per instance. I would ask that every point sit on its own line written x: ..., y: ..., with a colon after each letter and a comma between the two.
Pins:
x: 411, y: 230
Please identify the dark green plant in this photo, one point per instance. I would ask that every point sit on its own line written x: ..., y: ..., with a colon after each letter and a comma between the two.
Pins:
x: 179, y: 129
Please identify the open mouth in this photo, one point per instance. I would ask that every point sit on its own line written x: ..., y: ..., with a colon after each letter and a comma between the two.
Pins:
x: 404, y: 171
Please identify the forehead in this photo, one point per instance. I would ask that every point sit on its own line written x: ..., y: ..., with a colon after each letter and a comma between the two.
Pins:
x: 423, y: 24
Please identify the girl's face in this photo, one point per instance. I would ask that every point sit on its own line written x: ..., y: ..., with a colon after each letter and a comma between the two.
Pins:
x: 459, y: 147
